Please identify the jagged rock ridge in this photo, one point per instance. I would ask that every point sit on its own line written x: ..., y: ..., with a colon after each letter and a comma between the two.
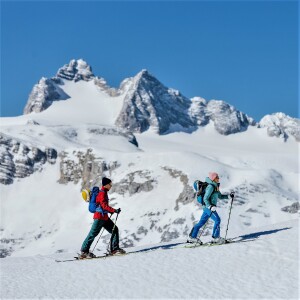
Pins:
x: 148, y: 104
x: 76, y: 70
x: 19, y: 160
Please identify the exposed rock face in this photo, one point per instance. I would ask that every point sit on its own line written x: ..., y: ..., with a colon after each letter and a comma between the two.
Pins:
x: 43, y: 94
x: 103, y: 86
x: 19, y: 160
x: 87, y: 167
x: 136, y: 182
x: 115, y: 132
x: 281, y: 125
x: 187, y: 194
x: 292, y: 209
x: 226, y: 119
x: 148, y: 103
x: 76, y: 70
x: 197, y: 111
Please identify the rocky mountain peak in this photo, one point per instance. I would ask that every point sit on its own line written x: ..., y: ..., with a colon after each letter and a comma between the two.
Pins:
x: 226, y: 118
x: 143, y: 78
x: 150, y: 104
x: 76, y: 70
x: 281, y: 125
x: 43, y: 94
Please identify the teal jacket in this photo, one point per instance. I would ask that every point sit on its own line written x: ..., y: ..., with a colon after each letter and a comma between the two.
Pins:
x: 212, y: 193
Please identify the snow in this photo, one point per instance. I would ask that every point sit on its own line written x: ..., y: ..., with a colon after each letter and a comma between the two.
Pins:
x: 263, y: 265
x: 86, y: 106
x: 265, y: 179
x: 42, y: 220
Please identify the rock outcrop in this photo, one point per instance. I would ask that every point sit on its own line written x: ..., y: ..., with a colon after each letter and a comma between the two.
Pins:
x: 87, y: 168
x: 76, y: 70
x: 148, y: 103
x: 280, y: 125
x: 43, y: 94
x: 18, y: 160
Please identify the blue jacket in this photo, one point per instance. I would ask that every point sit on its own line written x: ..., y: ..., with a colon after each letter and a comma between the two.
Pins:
x: 212, y: 193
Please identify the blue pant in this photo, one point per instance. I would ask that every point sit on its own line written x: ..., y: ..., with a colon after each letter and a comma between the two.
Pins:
x: 205, y: 216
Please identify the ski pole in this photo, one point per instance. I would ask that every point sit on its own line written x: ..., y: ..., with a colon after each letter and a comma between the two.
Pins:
x: 115, y: 224
x: 100, y: 236
x: 113, y: 228
x: 229, y: 216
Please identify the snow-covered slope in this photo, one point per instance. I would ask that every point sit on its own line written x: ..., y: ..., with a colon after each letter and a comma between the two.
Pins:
x: 48, y: 157
x: 152, y: 185
x: 263, y: 265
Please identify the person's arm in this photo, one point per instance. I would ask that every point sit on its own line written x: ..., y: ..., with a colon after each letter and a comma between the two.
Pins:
x: 104, y: 203
x: 221, y: 196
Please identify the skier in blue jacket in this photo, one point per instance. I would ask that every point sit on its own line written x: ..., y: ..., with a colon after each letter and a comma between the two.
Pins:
x: 210, y: 199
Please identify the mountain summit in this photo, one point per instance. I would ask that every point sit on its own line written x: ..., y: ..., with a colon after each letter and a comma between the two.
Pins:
x: 76, y: 70
x: 148, y: 103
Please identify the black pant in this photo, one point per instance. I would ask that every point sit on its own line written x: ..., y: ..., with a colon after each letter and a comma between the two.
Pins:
x: 96, y: 227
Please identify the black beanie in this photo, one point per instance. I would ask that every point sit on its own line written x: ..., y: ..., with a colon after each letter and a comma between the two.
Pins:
x: 105, y: 181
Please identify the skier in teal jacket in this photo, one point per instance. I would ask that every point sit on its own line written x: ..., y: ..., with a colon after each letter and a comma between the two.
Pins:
x: 211, y: 196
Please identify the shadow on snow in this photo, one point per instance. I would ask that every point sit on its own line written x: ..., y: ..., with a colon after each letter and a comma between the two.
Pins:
x: 243, y: 238
x: 256, y: 235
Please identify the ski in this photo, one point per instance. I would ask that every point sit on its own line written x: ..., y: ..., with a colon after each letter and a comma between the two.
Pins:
x: 208, y: 244
x: 145, y: 250
x: 76, y: 258
x: 172, y: 246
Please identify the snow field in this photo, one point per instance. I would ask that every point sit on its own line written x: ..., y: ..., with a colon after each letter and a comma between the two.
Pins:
x: 263, y: 265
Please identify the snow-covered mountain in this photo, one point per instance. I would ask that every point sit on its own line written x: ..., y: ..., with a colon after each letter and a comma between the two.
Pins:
x: 143, y: 102
x: 153, y: 142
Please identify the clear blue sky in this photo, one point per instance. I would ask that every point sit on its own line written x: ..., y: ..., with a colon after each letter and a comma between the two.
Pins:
x: 242, y: 52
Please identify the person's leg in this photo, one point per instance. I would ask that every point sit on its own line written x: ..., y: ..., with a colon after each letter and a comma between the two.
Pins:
x: 216, y: 230
x: 95, y: 229
x: 203, y: 220
x: 113, y: 229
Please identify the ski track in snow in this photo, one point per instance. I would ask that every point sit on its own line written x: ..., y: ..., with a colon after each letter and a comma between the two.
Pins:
x: 265, y: 265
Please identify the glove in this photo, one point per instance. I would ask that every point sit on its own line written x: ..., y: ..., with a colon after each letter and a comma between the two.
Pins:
x: 117, y: 210
x: 232, y: 194
x: 212, y: 208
